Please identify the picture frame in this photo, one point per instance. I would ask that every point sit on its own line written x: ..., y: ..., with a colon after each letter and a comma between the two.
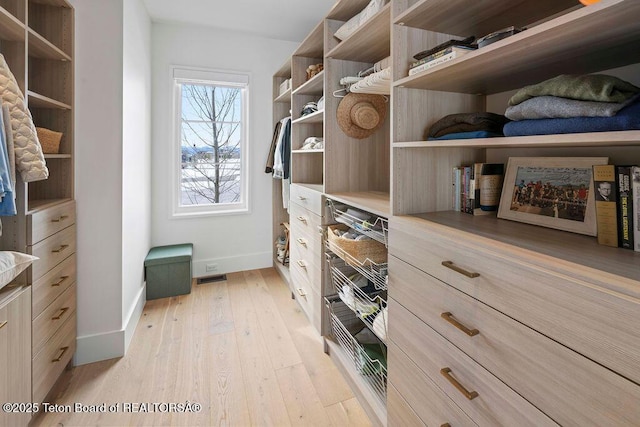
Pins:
x: 554, y: 192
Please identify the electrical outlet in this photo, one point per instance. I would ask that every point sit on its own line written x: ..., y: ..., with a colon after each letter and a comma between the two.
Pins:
x: 211, y: 267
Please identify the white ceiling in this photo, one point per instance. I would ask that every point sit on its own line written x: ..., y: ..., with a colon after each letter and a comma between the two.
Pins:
x: 280, y: 19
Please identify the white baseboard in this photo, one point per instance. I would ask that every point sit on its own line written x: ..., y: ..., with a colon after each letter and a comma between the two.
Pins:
x: 109, y: 345
x: 232, y: 264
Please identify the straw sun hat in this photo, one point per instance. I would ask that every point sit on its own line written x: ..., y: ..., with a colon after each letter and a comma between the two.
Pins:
x: 360, y: 115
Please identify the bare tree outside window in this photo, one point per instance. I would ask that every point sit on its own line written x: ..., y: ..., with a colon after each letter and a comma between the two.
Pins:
x: 211, y: 144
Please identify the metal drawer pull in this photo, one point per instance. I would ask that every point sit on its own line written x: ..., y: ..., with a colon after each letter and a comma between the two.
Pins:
x: 446, y: 425
x: 302, y: 292
x: 3, y: 324
x: 449, y: 318
x: 63, y: 310
x: 59, y: 282
x: 64, y: 350
x: 302, y: 198
x: 302, y: 264
x: 452, y: 266
x: 302, y: 241
x: 60, y: 218
x: 302, y: 219
x: 60, y: 249
x: 446, y: 372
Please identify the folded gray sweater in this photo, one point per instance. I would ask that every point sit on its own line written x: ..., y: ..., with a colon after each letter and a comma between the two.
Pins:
x: 555, y: 107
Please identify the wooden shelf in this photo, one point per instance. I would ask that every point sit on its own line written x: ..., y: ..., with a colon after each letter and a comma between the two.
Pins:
x: 313, y: 86
x: 560, y: 245
x: 285, y: 97
x: 55, y: 3
x: 344, y: 10
x: 57, y: 156
x: 315, y: 187
x: 375, y: 202
x: 41, y: 101
x: 11, y: 28
x: 313, y: 45
x: 42, y: 204
x: 371, y: 42
x: 317, y: 117
x: 39, y: 47
x: 594, y: 139
x: 580, y: 42
x: 464, y: 18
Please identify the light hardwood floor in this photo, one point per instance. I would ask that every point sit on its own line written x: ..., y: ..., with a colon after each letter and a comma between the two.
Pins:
x: 241, y: 348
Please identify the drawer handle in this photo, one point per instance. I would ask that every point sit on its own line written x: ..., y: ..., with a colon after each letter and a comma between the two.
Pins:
x: 452, y: 266
x: 302, y: 264
x: 302, y: 219
x: 59, y: 358
x: 302, y: 292
x: 63, y: 310
x: 59, y: 282
x: 449, y: 318
x: 446, y: 372
x: 3, y: 324
x: 60, y: 218
x: 302, y: 241
x: 302, y: 198
x: 60, y: 249
x: 446, y: 425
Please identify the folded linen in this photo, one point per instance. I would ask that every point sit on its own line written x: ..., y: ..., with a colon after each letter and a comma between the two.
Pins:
x: 555, y: 107
x: 590, y: 87
x: 467, y: 122
x: 468, y: 135
x: 627, y: 119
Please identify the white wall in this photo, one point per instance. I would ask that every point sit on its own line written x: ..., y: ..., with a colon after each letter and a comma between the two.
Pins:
x: 136, y: 161
x: 112, y: 124
x: 233, y: 242
x: 98, y: 167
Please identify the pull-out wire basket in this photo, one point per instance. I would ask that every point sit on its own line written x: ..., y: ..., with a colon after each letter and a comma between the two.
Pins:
x: 361, y: 295
x: 344, y: 325
x: 375, y: 227
x: 376, y: 272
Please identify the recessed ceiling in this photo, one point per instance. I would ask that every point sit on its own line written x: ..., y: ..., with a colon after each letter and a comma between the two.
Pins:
x: 279, y: 19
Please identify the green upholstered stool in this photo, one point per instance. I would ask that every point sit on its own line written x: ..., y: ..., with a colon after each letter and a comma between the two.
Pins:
x: 168, y: 270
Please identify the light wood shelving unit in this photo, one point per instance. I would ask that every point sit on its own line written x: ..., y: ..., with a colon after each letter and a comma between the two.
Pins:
x: 37, y: 41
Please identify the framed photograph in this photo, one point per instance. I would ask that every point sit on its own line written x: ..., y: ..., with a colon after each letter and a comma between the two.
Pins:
x: 554, y: 192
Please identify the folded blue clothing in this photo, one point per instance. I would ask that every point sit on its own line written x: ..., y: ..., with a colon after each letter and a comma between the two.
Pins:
x: 627, y: 119
x: 467, y: 135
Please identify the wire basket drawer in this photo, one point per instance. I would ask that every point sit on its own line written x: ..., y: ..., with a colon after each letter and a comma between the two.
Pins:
x: 369, y: 360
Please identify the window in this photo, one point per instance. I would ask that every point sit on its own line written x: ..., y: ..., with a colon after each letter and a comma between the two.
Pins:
x: 211, y: 134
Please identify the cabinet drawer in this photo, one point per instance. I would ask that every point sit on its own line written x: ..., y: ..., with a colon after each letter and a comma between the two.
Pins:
x: 47, y: 288
x: 46, y: 222
x: 495, y: 404
x: 307, y: 198
x: 418, y: 392
x: 307, y: 297
x: 48, y: 322
x: 307, y: 220
x: 50, y: 362
x: 312, y: 236
x: 591, y: 320
x: 399, y: 413
x: 505, y: 348
x: 52, y: 251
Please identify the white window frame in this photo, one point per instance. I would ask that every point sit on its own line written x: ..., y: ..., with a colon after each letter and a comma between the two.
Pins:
x: 179, y: 76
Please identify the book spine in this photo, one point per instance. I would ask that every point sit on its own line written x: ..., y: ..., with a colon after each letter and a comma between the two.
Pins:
x: 625, y: 207
x: 458, y: 189
x: 604, y: 181
x: 438, y: 61
x: 468, y: 197
x: 635, y: 193
x: 432, y: 57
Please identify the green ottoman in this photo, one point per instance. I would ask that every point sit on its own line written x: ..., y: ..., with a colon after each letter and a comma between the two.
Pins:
x: 168, y: 270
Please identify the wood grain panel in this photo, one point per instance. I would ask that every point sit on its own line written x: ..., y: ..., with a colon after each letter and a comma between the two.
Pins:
x: 544, y: 372
x: 399, y: 413
x: 584, y: 317
x: 44, y: 223
x: 46, y: 324
x: 308, y: 198
x: 52, y: 251
x: 495, y: 404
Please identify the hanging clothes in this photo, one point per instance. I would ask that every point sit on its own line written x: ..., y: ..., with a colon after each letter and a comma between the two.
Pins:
x: 282, y: 157
x: 8, y: 202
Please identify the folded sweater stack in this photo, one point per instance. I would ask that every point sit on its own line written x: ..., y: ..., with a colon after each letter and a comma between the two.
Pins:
x: 574, y: 104
x: 467, y: 125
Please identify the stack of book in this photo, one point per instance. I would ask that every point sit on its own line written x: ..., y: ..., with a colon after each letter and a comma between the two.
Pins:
x: 439, y: 57
x: 477, y: 188
x: 617, y: 196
